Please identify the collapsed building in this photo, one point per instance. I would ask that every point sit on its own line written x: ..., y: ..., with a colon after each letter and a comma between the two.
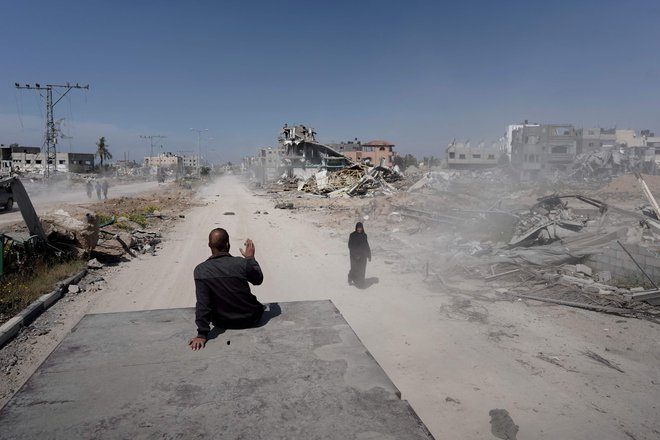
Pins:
x: 298, y: 155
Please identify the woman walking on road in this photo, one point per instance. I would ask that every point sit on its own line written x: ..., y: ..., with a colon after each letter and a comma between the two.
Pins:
x: 359, y: 251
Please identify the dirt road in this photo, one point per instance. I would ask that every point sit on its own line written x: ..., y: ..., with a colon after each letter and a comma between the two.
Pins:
x: 455, y: 357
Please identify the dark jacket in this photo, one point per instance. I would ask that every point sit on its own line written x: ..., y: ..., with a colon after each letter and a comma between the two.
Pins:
x: 223, y: 293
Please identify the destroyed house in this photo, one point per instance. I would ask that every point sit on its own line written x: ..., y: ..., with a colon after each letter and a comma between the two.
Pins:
x: 302, y: 156
x: 465, y: 156
x: 377, y: 152
x: 536, y: 149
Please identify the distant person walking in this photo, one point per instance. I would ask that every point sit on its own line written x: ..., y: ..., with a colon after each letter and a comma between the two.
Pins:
x: 105, y: 185
x: 89, y: 187
x: 360, y: 252
x: 97, y: 185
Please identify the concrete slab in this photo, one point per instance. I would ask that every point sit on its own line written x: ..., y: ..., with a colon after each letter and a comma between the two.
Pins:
x: 304, y: 374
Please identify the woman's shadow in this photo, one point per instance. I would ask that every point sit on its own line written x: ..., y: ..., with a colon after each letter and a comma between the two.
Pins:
x: 368, y: 282
x: 271, y: 311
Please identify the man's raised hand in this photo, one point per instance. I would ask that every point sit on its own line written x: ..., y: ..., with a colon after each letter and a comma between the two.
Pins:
x: 249, y: 249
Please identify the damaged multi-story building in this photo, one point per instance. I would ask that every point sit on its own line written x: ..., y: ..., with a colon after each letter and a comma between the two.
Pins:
x: 538, y: 148
x: 302, y: 155
x: 590, y: 139
x: 16, y: 158
x: 298, y: 154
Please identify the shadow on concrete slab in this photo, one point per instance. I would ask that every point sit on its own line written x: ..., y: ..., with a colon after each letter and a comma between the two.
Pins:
x: 272, y: 310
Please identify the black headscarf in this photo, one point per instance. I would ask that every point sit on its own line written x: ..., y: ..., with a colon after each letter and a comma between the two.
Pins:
x: 358, y: 244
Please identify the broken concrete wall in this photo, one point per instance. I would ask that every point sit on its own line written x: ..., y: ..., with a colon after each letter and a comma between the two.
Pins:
x: 615, y: 260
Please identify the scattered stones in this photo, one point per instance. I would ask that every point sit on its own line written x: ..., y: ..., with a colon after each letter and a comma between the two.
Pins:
x: 94, y: 264
x: 73, y: 288
x: 284, y: 205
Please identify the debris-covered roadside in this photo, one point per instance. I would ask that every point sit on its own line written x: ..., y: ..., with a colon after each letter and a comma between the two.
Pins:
x: 509, y: 238
x: 109, y: 232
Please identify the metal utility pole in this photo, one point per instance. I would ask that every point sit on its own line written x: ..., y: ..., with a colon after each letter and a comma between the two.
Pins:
x: 51, y: 131
x: 151, y: 140
x: 199, y: 147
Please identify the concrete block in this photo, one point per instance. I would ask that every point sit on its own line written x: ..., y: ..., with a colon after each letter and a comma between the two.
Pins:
x: 302, y: 374
x: 9, y: 329
x: 31, y: 312
x: 604, y: 276
x: 49, y: 298
x: 583, y: 269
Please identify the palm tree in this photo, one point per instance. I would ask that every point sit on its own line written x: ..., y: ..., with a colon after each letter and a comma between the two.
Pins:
x: 102, y: 150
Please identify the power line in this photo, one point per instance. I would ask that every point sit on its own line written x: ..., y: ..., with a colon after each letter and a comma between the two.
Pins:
x: 51, y: 130
x: 151, y: 140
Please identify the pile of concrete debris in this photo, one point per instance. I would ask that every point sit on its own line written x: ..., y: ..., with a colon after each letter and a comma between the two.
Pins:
x: 356, y: 180
x: 568, y: 249
x: 129, y: 239
x: 572, y: 258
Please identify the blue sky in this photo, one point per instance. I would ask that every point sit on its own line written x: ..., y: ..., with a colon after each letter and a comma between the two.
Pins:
x: 417, y: 73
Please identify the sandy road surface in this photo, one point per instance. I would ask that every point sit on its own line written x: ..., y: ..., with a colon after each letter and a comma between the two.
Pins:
x: 454, y: 356
x: 45, y: 199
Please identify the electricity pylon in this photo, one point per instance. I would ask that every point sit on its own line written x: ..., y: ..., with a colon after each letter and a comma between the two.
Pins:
x: 51, y: 129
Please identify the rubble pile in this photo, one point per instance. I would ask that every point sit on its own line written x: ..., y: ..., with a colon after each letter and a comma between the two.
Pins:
x: 325, y: 182
x: 356, y: 180
x: 575, y: 285
x: 609, y: 161
x: 549, y: 251
x: 76, y: 229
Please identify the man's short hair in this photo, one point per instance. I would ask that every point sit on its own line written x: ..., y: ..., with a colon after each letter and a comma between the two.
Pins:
x: 218, y: 239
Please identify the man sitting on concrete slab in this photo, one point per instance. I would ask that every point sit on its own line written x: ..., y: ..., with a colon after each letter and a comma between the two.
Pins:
x: 223, y: 293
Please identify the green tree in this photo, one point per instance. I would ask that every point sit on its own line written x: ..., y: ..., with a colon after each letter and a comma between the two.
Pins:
x: 102, y: 150
x: 405, y: 161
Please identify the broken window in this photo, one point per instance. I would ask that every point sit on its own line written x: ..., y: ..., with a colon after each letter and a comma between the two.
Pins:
x: 452, y: 155
x: 38, y: 161
x: 559, y: 149
x: 461, y: 156
x: 62, y: 162
x: 476, y: 156
x: 491, y: 156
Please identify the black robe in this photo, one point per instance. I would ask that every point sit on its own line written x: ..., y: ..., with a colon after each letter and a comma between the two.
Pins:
x: 359, y: 251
